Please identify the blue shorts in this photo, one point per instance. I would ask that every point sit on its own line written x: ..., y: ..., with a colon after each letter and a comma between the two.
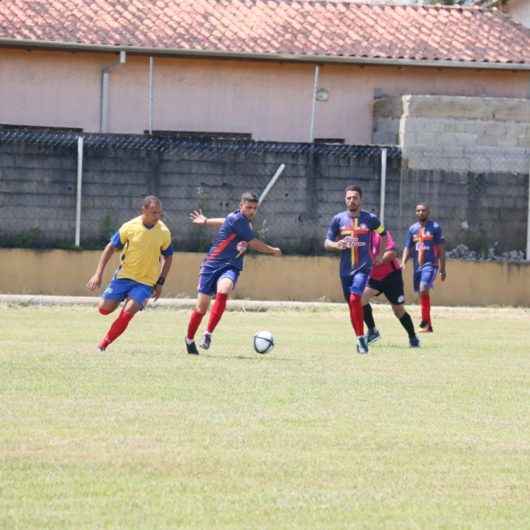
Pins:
x: 119, y: 289
x: 208, y: 279
x: 424, y: 277
x: 354, y: 284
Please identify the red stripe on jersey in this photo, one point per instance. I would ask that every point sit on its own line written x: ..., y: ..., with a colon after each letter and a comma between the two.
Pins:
x: 221, y: 246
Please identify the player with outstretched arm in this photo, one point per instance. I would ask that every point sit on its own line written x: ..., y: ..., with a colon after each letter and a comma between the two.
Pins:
x: 222, y: 265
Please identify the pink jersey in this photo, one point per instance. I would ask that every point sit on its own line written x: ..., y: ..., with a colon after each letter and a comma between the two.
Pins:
x: 380, y: 272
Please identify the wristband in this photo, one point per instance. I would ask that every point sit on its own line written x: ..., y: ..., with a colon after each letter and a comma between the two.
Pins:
x: 160, y: 281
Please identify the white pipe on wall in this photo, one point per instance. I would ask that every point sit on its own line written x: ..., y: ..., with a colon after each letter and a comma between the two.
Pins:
x: 314, y: 105
x: 105, y: 83
x: 79, y: 191
x: 150, y: 94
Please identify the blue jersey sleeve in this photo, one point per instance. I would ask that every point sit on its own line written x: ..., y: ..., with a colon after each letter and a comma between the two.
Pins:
x: 375, y: 224
x: 438, y: 237
x: 241, y: 227
x: 115, y: 241
x: 169, y: 251
x: 333, y: 229
x: 408, y: 240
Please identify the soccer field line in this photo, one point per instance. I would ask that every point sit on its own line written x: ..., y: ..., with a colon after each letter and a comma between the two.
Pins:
x: 234, y: 305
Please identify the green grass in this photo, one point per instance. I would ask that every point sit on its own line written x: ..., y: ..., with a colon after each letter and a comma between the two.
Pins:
x: 311, y: 435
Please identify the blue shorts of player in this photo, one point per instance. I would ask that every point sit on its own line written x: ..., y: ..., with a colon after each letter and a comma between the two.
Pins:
x: 424, y: 277
x: 208, y: 279
x: 119, y: 289
x: 354, y: 284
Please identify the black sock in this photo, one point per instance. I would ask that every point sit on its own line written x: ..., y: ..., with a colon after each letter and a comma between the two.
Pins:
x: 368, y: 317
x: 406, y: 322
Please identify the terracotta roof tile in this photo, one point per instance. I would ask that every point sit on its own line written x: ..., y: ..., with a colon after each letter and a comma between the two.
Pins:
x: 273, y: 27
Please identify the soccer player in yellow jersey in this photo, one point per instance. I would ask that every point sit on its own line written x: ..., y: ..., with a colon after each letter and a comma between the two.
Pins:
x: 146, y: 257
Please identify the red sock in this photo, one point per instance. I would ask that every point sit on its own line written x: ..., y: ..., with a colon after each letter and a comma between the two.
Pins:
x: 356, y: 314
x: 194, y: 323
x: 425, y: 300
x: 217, y: 311
x: 117, y: 328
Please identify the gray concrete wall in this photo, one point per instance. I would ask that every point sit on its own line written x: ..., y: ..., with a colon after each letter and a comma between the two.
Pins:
x: 469, y: 158
x: 38, y: 192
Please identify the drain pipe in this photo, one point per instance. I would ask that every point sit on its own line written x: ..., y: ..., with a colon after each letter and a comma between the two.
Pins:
x: 314, y: 105
x: 150, y: 105
x: 105, y: 82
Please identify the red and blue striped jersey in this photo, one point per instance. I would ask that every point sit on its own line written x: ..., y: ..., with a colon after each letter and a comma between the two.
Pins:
x: 229, y: 243
x: 423, y: 242
x: 357, y: 232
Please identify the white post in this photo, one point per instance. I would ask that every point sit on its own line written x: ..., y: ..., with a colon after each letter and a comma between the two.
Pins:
x: 104, y: 102
x: 79, y: 191
x: 383, y: 185
x: 314, y: 105
x: 150, y: 94
x: 528, y: 224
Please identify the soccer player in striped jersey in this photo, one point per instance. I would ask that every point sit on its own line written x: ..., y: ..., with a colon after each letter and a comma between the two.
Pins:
x: 425, y: 242
x: 350, y: 234
x: 145, y: 242
x: 222, y: 265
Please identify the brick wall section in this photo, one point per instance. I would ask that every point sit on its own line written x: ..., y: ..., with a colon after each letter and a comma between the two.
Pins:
x: 38, y: 193
x: 469, y: 158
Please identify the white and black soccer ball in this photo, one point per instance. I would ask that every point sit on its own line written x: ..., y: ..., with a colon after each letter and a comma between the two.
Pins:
x: 263, y: 342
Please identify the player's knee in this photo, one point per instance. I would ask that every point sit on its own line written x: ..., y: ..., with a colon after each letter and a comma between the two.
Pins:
x: 104, y: 310
x: 355, y: 298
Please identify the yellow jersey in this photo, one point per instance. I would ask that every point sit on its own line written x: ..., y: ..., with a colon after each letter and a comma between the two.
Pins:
x: 142, y: 246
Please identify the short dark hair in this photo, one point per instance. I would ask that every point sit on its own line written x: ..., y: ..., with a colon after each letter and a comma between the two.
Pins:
x: 151, y: 199
x: 354, y: 187
x: 249, y: 196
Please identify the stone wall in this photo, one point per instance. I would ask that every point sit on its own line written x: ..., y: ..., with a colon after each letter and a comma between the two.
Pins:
x: 469, y: 158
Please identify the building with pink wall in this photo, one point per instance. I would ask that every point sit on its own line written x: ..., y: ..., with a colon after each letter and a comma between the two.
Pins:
x: 247, y: 68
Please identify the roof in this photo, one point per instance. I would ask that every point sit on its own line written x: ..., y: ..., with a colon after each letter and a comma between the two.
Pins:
x: 273, y: 29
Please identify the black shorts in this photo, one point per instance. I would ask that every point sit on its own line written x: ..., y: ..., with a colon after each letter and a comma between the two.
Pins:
x: 391, y: 287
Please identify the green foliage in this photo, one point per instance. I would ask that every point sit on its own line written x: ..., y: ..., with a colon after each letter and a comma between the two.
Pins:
x: 107, y: 227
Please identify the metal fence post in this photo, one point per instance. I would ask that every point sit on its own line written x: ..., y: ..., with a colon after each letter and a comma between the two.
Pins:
x: 79, y: 191
x: 528, y: 222
x: 384, y: 153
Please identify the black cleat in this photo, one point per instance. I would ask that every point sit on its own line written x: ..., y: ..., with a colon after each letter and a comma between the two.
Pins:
x: 362, y: 345
x: 373, y: 335
x: 191, y: 348
x: 424, y: 324
x: 414, y: 342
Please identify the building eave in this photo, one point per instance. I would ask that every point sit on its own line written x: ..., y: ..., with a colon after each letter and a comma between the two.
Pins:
x: 282, y: 57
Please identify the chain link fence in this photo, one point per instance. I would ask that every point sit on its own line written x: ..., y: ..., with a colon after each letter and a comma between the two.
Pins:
x: 479, y: 195
x: 67, y: 189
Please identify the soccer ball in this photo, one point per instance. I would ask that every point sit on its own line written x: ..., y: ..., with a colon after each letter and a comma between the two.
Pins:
x: 263, y: 342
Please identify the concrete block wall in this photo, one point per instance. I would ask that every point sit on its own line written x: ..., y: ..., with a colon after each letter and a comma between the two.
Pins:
x: 38, y: 193
x: 469, y: 158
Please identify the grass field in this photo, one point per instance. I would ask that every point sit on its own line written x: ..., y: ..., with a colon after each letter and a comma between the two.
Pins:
x: 311, y: 435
